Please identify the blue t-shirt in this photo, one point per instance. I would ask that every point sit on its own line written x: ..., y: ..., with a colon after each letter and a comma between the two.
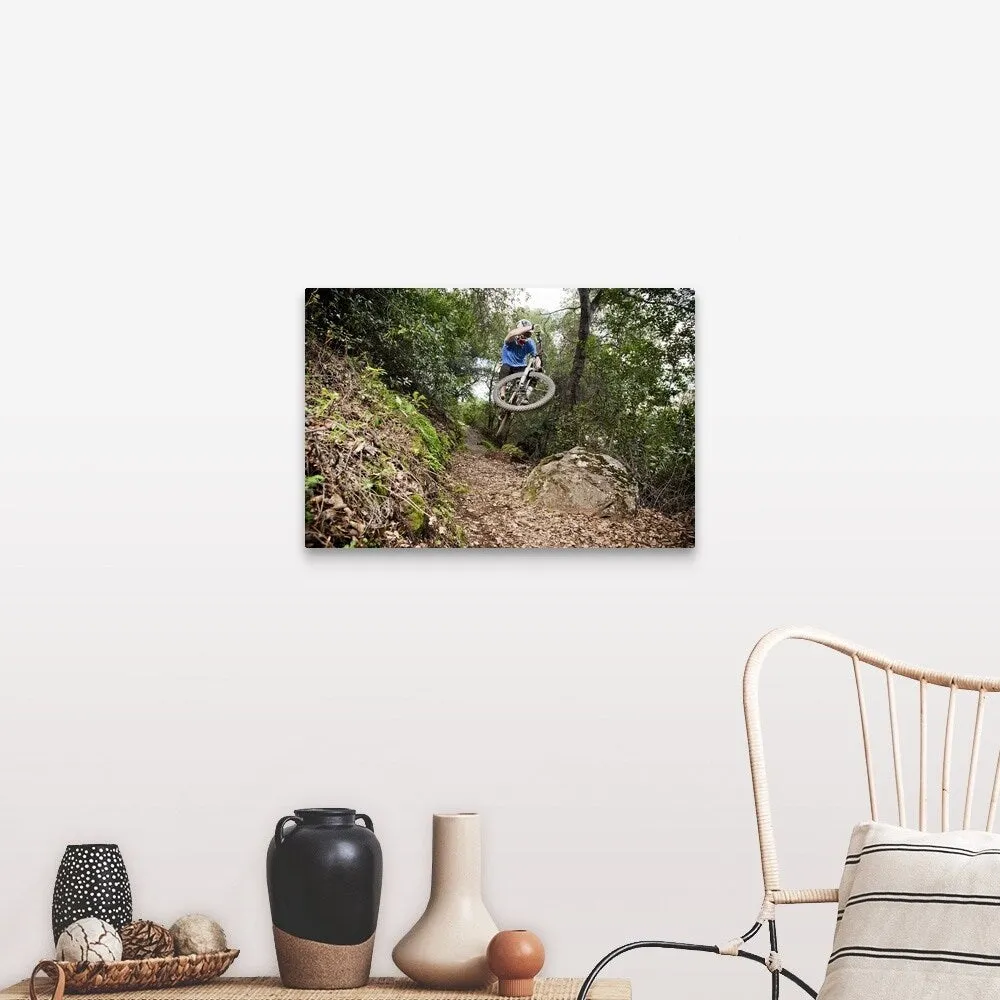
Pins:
x: 516, y: 355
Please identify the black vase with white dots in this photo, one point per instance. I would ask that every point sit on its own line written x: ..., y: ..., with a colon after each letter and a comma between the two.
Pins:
x: 91, y: 882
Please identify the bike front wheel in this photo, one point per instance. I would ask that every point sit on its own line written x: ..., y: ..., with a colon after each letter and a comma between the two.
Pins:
x: 537, y: 390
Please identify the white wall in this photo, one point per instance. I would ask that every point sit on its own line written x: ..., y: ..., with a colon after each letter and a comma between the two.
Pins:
x: 179, y: 672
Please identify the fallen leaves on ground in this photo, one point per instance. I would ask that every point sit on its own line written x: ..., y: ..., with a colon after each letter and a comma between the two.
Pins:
x: 494, y: 515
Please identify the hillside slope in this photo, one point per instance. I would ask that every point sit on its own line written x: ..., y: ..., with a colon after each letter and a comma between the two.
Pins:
x: 375, y: 462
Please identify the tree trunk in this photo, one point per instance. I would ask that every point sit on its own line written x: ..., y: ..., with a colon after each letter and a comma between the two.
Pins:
x: 572, y: 394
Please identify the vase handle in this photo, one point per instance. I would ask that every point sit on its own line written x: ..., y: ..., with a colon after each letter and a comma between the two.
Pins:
x: 53, y: 971
x: 367, y: 820
x: 279, y: 830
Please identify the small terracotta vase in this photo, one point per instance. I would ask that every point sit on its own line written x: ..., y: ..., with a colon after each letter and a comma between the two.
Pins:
x: 446, y: 948
x: 515, y: 958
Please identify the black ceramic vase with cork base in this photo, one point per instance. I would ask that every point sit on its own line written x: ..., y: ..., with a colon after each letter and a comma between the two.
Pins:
x: 324, y: 882
x: 91, y: 882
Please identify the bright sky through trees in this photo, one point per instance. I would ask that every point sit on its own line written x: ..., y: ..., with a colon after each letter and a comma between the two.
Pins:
x: 545, y: 299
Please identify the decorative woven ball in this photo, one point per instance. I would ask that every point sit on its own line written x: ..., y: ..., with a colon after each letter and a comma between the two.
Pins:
x: 89, y: 940
x: 144, y: 939
x: 197, y: 934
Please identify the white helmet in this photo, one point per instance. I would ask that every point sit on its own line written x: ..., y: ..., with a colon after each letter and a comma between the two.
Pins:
x: 526, y: 324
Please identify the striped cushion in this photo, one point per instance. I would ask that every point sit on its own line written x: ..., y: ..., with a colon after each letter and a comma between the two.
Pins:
x: 918, y: 917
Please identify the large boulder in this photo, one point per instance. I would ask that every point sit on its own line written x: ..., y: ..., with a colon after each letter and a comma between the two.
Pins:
x: 584, y: 482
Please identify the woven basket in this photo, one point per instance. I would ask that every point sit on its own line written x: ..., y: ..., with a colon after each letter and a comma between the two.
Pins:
x: 132, y: 974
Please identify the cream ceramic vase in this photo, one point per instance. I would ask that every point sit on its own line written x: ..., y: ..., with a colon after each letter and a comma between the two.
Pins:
x: 446, y: 948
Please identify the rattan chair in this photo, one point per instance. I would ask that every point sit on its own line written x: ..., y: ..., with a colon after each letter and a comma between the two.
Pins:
x: 775, y: 892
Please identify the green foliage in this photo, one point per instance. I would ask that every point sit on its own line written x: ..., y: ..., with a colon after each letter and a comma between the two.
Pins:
x: 312, y: 484
x: 654, y: 326
x: 476, y: 413
x: 324, y: 402
x: 512, y: 453
x: 424, y: 340
x: 433, y: 446
x: 416, y: 518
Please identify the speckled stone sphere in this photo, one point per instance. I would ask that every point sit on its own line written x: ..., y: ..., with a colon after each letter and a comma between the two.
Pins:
x: 197, y: 934
x: 89, y: 940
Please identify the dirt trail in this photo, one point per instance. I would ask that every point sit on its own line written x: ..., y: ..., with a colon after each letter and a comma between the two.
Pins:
x: 493, y: 515
x: 474, y: 441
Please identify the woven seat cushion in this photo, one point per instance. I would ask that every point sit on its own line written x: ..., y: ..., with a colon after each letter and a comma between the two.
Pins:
x: 918, y: 917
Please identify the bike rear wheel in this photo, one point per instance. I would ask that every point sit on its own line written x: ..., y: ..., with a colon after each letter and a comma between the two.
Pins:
x: 537, y: 391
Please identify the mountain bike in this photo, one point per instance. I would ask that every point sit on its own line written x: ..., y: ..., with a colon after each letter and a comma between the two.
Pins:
x: 521, y: 392
x: 524, y: 390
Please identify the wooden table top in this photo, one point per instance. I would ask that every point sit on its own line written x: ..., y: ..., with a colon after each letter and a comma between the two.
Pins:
x: 267, y: 988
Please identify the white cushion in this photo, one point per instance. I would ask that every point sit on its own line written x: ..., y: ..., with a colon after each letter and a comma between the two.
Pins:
x: 918, y: 917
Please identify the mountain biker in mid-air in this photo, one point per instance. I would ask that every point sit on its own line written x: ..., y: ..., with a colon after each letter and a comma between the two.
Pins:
x: 518, y: 347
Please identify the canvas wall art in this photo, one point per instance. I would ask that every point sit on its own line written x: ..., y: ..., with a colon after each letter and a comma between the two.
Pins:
x: 500, y: 418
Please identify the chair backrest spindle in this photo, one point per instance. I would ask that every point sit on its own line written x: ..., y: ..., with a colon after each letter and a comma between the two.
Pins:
x: 897, y: 757
x: 923, y: 753
x: 994, y: 796
x: 949, y: 739
x: 866, y: 739
x: 977, y: 735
